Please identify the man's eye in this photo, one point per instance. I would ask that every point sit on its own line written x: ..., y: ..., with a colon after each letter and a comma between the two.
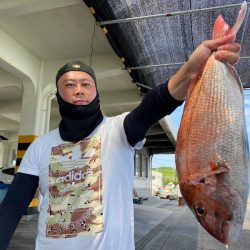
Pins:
x: 69, y: 84
x: 86, y: 84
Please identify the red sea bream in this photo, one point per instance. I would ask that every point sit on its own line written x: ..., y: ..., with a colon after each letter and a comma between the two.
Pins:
x: 212, y: 147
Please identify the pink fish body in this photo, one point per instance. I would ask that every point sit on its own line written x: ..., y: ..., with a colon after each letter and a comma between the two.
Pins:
x: 212, y: 148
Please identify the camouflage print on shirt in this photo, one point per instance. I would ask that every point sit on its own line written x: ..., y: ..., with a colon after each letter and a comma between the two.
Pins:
x: 75, y: 189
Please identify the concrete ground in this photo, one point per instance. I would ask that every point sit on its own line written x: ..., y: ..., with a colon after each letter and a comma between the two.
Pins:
x: 159, y: 224
x: 163, y: 224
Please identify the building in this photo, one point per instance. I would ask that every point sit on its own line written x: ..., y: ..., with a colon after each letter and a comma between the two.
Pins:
x: 157, y: 182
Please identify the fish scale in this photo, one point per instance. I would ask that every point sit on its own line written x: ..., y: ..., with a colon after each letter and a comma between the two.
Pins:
x: 214, y: 116
x: 212, y: 150
x: 212, y: 131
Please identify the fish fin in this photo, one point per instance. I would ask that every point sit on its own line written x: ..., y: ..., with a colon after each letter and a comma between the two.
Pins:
x: 240, y: 18
x: 220, y: 28
x: 246, y: 143
x: 236, y: 76
x: 219, y: 169
x: 245, y: 136
x: 245, y: 139
x: 216, y: 162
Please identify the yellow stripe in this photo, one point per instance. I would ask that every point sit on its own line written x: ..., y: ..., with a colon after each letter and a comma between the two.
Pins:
x: 105, y: 30
x: 26, y: 138
x: 23, y: 139
x: 92, y: 10
x: 97, y: 24
x: 20, y: 153
x: 34, y: 202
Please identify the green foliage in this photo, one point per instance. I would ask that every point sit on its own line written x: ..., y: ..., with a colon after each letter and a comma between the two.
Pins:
x: 169, y: 174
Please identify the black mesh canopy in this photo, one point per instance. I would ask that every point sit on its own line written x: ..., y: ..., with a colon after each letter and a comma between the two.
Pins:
x: 165, y: 40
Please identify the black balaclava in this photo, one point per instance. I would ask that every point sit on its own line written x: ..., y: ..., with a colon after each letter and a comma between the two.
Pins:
x: 78, y: 121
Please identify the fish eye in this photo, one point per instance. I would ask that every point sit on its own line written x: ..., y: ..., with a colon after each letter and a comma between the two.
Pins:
x: 200, y: 210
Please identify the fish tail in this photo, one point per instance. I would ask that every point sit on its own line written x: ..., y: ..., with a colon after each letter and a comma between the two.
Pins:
x: 221, y: 28
x: 240, y: 18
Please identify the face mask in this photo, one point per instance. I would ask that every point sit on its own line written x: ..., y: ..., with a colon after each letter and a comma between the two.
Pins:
x: 78, y: 121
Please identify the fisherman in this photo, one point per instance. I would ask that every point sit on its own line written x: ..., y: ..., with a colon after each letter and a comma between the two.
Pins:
x: 84, y: 169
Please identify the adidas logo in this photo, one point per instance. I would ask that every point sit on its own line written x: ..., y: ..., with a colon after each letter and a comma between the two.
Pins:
x: 72, y: 176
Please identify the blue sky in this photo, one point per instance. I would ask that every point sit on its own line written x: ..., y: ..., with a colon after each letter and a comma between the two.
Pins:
x: 169, y: 160
x: 160, y: 160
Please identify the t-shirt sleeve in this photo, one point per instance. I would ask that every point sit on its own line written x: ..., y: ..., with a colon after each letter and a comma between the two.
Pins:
x: 118, y: 133
x: 30, y: 161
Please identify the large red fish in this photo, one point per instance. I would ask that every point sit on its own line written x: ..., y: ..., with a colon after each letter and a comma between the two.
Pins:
x: 212, y: 148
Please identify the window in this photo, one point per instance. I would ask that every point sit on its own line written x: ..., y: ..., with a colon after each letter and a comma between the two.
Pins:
x: 144, y: 167
x: 141, y: 166
x: 137, y: 164
x: 13, y: 157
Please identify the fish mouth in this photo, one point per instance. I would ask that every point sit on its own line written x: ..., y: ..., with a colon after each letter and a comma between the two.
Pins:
x: 225, y: 232
x: 229, y: 233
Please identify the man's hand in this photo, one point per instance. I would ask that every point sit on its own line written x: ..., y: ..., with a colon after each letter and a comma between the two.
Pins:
x: 225, y: 49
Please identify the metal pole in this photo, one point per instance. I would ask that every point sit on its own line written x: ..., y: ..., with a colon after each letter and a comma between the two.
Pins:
x: 164, y: 65
x: 153, y: 66
x: 147, y: 87
x: 168, y: 14
x: 142, y: 85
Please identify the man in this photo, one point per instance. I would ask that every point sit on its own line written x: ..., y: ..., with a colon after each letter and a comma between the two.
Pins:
x: 85, y: 167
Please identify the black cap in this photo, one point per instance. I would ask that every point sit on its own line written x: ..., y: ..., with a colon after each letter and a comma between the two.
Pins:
x: 75, y: 66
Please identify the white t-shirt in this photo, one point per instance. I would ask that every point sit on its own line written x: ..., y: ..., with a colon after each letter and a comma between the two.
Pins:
x: 86, y: 187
